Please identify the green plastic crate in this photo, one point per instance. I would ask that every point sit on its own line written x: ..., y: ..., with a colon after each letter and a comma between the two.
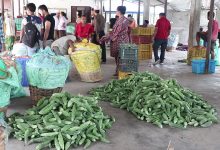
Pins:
x: 18, y: 23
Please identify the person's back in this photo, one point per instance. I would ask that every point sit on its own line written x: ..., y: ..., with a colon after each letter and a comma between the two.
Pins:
x: 99, y: 23
x: 160, y: 37
x: 30, y: 27
x: 61, y: 45
x: 163, y: 28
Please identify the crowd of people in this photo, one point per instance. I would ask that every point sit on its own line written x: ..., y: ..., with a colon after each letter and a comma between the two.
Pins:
x: 50, y: 30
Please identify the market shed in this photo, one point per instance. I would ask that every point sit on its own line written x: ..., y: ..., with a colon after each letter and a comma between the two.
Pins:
x: 143, y: 106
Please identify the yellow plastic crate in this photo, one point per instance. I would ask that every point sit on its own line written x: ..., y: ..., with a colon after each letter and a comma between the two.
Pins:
x: 122, y: 75
x: 143, y: 31
x: 145, y: 47
x: 145, y: 51
x: 145, y: 55
x: 196, y: 52
x: 135, y: 31
x: 146, y: 31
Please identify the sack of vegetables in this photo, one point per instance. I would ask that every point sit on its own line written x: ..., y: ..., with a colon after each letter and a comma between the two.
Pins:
x: 46, y: 73
x: 87, y: 58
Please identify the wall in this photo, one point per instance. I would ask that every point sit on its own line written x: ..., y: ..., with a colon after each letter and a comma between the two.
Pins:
x: 180, y: 24
x: 7, y: 5
x: 64, y: 4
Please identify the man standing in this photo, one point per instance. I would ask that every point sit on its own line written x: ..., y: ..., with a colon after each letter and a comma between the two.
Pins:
x: 9, y: 32
x: 56, y: 19
x: 83, y: 30
x: 48, y: 26
x: 99, y: 25
x: 204, y: 35
x: 160, y: 37
x: 30, y: 23
x: 2, y: 38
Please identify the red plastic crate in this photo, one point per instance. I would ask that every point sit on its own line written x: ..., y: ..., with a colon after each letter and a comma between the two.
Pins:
x: 135, y: 39
x: 145, y: 39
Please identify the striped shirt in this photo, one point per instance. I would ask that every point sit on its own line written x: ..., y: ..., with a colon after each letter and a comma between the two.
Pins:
x: 2, y: 38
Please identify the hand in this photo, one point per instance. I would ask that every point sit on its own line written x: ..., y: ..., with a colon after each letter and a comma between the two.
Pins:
x: 152, y: 39
x: 97, y: 38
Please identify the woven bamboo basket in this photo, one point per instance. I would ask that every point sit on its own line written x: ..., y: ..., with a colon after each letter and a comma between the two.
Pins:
x: 37, y: 93
x: 2, y: 139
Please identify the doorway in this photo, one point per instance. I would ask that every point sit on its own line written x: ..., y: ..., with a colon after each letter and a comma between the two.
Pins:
x: 79, y: 11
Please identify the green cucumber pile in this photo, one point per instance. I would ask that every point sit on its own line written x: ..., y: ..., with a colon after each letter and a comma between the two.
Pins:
x: 62, y: 121
x: 161, y: 102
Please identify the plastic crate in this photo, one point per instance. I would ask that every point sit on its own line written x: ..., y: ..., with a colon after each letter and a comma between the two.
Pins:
x: 196, y: 52
x: 135, y: 39
x: 217, y: 56
x: 198, y: 66
x: 128, y: 51
x: 143, y: 31
x: 145, y: 55
x: 145, y: 47
x: 145, y: 39
x: 146, y: 30
x: 18, y: 23
x: 122, y: 75
x: 135, y: 31
x: 23, y: 62
x: 127, y: 65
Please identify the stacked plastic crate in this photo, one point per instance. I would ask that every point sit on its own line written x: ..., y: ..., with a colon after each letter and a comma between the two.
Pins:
x: 142, y: 36
x: 128, y: 60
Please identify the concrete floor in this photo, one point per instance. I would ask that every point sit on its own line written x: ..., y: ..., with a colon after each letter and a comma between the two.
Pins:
x: 128, y: 133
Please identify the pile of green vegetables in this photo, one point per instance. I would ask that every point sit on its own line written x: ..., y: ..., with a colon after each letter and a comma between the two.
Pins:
x: 161, y: 102
x: 62, y: 121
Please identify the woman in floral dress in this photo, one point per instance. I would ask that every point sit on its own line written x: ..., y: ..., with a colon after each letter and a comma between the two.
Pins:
x: 118, y: 35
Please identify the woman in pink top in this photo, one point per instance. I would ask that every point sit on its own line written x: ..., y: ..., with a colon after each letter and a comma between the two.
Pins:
x: 204, y: 35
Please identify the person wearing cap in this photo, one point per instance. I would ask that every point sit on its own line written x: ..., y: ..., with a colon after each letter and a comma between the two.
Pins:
x: 99, y: 26
x: 83, y: 30
x: 160, y: 37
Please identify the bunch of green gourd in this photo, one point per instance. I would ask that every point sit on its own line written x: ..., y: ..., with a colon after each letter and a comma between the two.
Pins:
x: 62, y: 121
x: 161, y: 102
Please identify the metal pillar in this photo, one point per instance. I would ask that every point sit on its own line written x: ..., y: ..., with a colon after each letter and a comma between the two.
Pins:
x: 12, y: 9
x: 165, y: 7
x: 146, y: 4
x: 154, y: 14
x: 194, y: 22
x: 122, y: 2
x: 139, y: 12
x: 212, y: 3
x: 101, y: 7
x: 110, y: 9
x: 19, y: 8
x: 3, y: 20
